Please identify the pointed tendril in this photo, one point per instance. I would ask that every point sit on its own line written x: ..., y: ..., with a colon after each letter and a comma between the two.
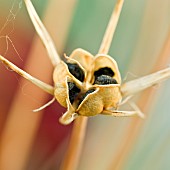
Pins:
x: 46, y: 87
x: 43, y: 34
x: 107, y: 39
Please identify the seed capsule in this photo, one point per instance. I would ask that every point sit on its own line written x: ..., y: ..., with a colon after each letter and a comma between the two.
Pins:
x: 95, y: 93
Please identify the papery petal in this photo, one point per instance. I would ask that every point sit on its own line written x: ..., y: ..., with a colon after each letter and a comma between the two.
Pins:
x: 83, y: 57
x: 102, y: 60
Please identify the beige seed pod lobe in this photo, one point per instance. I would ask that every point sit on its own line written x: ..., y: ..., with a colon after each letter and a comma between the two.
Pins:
x: 105, y: 96
x: 102, y: 60
x: 84, y: 58
x: 91, y: 105
x: 61, y: 76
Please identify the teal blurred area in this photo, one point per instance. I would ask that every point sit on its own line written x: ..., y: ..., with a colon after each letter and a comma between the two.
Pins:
x: 152, y: 150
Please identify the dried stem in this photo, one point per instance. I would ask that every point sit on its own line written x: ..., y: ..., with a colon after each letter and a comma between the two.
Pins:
x: 75, y: 146
x: 43, y: 34
x: 137, y: 85
x: 72, y: 156
x: 107, y: 39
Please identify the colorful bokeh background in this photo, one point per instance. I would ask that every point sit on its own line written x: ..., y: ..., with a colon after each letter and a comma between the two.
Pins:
x: 36, y: 141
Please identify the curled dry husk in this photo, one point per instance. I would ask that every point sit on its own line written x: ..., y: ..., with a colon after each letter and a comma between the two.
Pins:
x: 91, y: 99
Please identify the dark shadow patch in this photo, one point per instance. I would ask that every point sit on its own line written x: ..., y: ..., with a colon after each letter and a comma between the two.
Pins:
x: 73, y: 91
x: 104, y: 79
x: 76, y: 71
x: 104, y: 71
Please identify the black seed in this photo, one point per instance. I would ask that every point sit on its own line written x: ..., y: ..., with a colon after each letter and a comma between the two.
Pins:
x: 104, y: 71
x: 103, y: 79
x: 76, y: 71
x: 73, y: 91
x: 85, y: 94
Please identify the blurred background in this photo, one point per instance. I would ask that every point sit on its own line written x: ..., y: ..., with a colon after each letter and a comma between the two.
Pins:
x: 36, y: 141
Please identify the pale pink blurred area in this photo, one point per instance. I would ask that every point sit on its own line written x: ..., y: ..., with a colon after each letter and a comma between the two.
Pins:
x: 15, y: 42
x: 18, y: 43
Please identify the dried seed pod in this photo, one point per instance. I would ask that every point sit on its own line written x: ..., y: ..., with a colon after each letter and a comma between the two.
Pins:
x: 89, y: 84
